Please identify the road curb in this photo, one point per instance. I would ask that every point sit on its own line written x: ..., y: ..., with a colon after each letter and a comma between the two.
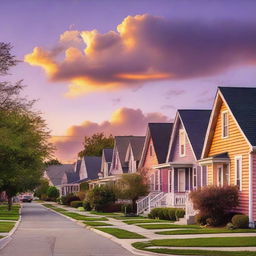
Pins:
x: 128, y: 247
x: 4, y: 241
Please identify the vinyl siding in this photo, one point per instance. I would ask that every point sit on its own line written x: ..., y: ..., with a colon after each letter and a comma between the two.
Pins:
x: 235, y: 145
x: 254, y: 185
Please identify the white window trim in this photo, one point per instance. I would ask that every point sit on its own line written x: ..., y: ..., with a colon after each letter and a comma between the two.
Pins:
x: 241, y: 171
x: 222, y: 178
x: 182, y: 131
x: 194, y: 175
x: 222, y: 127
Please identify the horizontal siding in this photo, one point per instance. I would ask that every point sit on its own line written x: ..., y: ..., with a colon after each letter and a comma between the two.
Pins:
x: 254, y: 185
x: 235, y: 145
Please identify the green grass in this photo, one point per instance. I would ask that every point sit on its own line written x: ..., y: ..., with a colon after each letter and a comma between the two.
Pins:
x: 167, y: 226
x: 97, y: 223
x: 207, y: 242
x: 205, y: 231
x: 130, y: 222
x: 121, y: 233
x: 128, y: 218
x: 9, y: 215
x: 144, y: 245
x: 96, y: 219
x: 6, y: 226
x: 106, y: 213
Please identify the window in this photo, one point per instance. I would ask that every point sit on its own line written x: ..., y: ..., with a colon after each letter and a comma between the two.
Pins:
x: 220, y: 175
x: 151, y: 150
x: 182, y: 142
x: 238, y: 169
x: 224, y: 124
x: 194, y: 178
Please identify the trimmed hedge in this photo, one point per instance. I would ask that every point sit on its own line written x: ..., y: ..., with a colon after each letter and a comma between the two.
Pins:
x: 76, y: 204
x: 240, y: 221
x: 166, y: 213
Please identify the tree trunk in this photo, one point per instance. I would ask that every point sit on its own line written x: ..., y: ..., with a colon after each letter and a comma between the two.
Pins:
x: 9, y: 203
x: 134, y: 206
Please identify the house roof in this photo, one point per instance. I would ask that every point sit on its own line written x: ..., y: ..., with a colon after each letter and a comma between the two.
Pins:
x: 93, y: 165
x: 122, y: 143
x: 56, y: 172
x: 160, y: 134
x: 78, y: 166
x: 195, y: 122
x: 72, y: 176
x: 108, y: 153
x: 137, y: 144
x: 242, y: 103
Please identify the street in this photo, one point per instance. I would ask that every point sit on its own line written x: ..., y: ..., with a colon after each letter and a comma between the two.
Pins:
x: 44, y: 233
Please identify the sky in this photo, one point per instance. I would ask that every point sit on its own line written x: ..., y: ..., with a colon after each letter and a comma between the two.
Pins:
x: 112, y: 66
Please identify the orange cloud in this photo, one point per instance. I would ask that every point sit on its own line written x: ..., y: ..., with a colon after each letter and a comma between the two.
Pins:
x: 145, y: 48
x: 124, y: 121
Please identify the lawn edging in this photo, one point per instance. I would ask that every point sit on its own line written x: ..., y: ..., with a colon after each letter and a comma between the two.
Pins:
x: 5, y: 240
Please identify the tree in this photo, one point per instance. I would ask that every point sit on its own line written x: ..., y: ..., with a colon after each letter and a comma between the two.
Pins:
x: 53, y: 193
x: 132, y: 186
x: 24, y: 137
x: 94, y: 145
x: 41, y: 190
x: 52, y: 162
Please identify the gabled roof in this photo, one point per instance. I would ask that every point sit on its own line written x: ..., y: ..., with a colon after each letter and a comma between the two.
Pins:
x: 78, y: 166
x: 122, y: 143
x: 137, y: 144
x: 56, y: 172
x: 195, y: 122
x: 93, y: 164
x: 160, y: 134
x: 72, y: 176
x: 108, y: 153
x: 242, y: 103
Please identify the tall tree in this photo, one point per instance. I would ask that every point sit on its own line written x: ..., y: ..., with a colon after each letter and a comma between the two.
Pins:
x: 52, y: 162
x: 94, y: 145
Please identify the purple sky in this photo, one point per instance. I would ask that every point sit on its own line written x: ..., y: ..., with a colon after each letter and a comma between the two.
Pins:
x: 29, y: 23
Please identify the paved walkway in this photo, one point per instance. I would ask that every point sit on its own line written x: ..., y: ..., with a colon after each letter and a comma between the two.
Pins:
x: 44, y: 233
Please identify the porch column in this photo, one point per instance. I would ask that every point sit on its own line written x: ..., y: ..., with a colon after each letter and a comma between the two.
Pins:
x: 172, y: 187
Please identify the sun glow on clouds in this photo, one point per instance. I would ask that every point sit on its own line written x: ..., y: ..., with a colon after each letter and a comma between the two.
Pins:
x: 145, y: 48
x: 123, y: 121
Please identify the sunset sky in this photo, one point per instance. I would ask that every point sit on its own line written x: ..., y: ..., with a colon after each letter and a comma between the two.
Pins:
x: 113, y: 66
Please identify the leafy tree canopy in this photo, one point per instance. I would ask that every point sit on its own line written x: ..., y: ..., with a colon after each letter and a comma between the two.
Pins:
x: 94, y: 145
x: 52, y: 162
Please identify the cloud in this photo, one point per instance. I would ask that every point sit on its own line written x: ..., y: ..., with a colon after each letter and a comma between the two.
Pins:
x: 116, y: 101
x: 168, y: 107
x: 173, y: 92
x: 146, y: 48
x: 124, y: 121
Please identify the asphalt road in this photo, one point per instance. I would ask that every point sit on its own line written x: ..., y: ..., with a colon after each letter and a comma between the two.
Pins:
x: 45, y: 233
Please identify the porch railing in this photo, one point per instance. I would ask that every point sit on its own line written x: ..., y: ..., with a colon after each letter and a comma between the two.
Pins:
x: 179, y: 199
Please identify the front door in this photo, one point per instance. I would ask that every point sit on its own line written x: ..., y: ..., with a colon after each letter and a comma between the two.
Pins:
x: 181, y: 180
x: 220, y: 175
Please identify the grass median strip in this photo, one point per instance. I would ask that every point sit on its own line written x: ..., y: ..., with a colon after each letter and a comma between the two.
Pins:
x: 121, y: 233
x: 97, y: 223
x: 145, y: 246
x: 205, y: 231
x: 6, y: 226
x: 9, y: 215
x: 128, y: 218
x: 168, y: 226
x: 130, y: 222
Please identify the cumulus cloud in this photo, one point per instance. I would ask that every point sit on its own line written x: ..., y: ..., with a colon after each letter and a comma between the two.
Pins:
x: 124, y: 121
x: 146, y: 48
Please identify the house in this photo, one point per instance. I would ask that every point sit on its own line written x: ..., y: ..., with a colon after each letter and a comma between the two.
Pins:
x: 229, y: 151
x: 181, y: 172
x: 133, y: 153
x: 118, y: 164
x: 86, y: 169
x: 155, y: 151
x: 106, y: 159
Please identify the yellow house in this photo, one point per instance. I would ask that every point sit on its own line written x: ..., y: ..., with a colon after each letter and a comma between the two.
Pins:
x: 229, y: 150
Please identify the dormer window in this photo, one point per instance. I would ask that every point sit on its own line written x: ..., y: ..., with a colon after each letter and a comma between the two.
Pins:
x: 224, y: 124
x: 182, y: 142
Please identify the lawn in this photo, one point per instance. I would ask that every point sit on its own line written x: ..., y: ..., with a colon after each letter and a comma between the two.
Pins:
x: 106, y: 213
x: 96, y: 219
x: 205, y: 231
x: 97, y: 223
x: 9, y: 215
x: 6, y: 226
x: 167, y: 226
x: 121, y: 233
x: 130, y: 222
x: 128, y: 218
x: 144, y: 245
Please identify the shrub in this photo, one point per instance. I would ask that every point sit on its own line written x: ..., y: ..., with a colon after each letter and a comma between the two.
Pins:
x: 230, y: 226
x: 76, y: 204
x: 81, y: 195
x: 214, y: 202
x: 150, y: 216
x: 179, y: 213
x: 43, y: 197
x: 87, y: 206
x: 201, y: 219
x: 172, y: 213
x: 52, y: 193
x: 100, y: 197
x: 84, y: 186
x: 66, y: 200
x: 240, y: 221
x: 210, y: 222
x: 127, y: 208
x: 163, y: 213
x: 113, y: 207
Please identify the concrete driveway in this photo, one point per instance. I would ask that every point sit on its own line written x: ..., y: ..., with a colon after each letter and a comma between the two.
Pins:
x: 45, y: 233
